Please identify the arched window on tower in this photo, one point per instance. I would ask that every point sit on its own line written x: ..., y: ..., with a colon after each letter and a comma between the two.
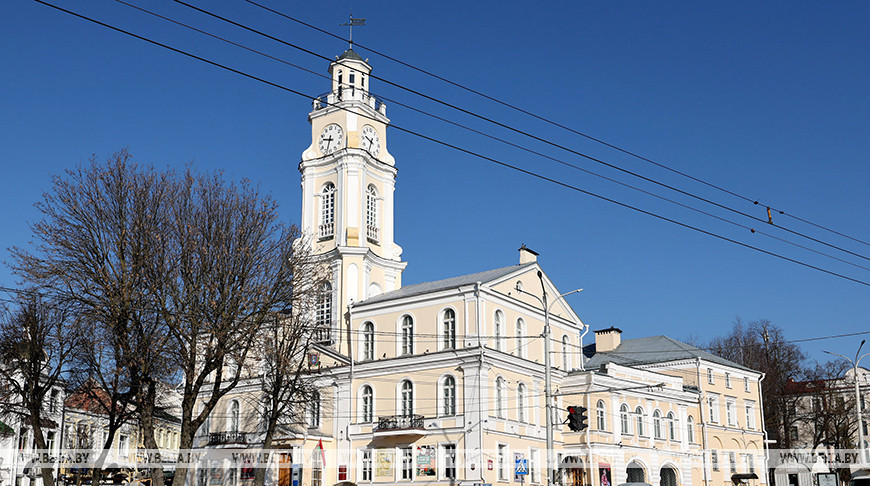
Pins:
x: 499, y: 397
x: 498, y: 329
x: 566, y: 362
x: 521, y: 338
x: 521, y: 402
x: 323, y: 319
x: 372, y: 232
x: 368, y: 403
x: 407, y: 335
x: 326, y: 229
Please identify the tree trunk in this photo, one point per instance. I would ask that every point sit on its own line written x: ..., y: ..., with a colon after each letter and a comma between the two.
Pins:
x: 39, y: 440
x: 260, y: 471
x: 146, y: 421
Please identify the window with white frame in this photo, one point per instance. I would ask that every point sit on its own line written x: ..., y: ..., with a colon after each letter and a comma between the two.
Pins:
x: 449, y: 396
x: 714, y: 459
x: 314, y: 410
x: 324, y: 308
x: 639, y: 415
x: 672, y: 426
x: 502, y: 462
x: 448, y: 326
x: 407, y: 463
x: 624, y: 420
x: 710, y: 375
x: 367, y: 465
x: 750, y: 416
x: 449, y: 454
x: 521, y: 338
x: 54, y: 401
x: 566, y: 362
x: 498, y: 329
x: 407, y: 335
x: 746, y: 384
x: 499, y: 397
x: 327, y: 211
x: 657, y: 425
x: 234, y: 416
x: 368, y: 341
x: 732, y: 461
x: 372, y: 214
x: 727, y: 380
x: 690, y: 429
x: 368, y: 404
x: 521, y: 402
x: 601, y: 415
x: 316, y: 468
x: 713, y: 404
x: 407, y: 398
x: 534, y: 475
x: 730, y: 413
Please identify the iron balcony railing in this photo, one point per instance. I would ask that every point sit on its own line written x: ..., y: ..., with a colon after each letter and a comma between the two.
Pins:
x: 399, y: 422
x: 220, y: 438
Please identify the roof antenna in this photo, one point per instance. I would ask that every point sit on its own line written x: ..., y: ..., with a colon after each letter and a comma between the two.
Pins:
x: 353, y: 22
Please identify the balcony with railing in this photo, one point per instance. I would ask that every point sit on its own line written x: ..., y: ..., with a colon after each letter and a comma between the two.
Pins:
x: 224, y: 438
x: 398, y: 425
x: 322, y: 335
x: 372, y: 233
x: 326, y: 231
x: 348, y: 93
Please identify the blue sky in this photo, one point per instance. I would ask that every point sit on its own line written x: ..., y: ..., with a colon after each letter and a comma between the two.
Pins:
x: 768, y: 100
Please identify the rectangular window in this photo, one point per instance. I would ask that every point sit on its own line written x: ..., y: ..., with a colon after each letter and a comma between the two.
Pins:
x: 53, y: 401
x: 746, y: 384
x: 49, y: 440
x: 710, y: 376
x: 407, y: 463
x: 502, y: 462
x: 728, y: 380
x: 730, y: 414
x: 750, y: 417
x: 750, y: 461
x: 367, y: 465
x: 714, y: 460
x: 732, y: 459
x: 22, y: 439
x: 714, y: 409
x: 449, y: 461
x: 533, y: 463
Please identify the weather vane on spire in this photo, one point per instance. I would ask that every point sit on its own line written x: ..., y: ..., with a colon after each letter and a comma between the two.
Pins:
x: 353, y: 22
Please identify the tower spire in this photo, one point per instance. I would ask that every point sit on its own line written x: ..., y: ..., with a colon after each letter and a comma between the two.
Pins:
x: 353, y: 22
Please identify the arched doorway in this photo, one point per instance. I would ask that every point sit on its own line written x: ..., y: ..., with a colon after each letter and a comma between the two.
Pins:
x: 635, y: 473
x: 573, y: 472
x: 667, y: 476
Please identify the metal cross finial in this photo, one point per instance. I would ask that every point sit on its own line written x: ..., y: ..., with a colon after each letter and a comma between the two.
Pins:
x: 353, y: 22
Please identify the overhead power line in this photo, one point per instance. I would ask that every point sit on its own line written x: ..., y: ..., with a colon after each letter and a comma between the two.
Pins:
x: 461, y: 149
x: 754, y: 201
x: 508, y: 142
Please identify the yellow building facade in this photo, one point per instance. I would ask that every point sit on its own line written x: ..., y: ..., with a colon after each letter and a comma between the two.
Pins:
x: 444, y: 382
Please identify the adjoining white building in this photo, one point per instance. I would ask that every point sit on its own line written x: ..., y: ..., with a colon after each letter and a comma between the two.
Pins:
x: 18, y: 448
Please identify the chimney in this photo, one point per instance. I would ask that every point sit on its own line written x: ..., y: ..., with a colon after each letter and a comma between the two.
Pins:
x: 527, y: 255
x: 607, y: 339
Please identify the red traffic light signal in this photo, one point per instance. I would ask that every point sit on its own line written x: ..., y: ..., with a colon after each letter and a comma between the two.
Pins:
x: 577, y: 418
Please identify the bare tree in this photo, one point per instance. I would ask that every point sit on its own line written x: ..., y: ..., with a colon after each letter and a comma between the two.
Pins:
x: 35, y: 349
x: 283, y: 345
x: 229, y: 270
x: 99, y: 247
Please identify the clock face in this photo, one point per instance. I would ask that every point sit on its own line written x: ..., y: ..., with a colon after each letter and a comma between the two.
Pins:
x: 370, y: 141
x: 331, y: 139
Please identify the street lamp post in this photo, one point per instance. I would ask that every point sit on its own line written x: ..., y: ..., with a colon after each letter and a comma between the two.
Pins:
x: 548, y: 380
x: 860, y: 425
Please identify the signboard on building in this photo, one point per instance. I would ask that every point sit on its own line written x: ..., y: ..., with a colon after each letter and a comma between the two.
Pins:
x: 604, y: 474
x: 384, y: 463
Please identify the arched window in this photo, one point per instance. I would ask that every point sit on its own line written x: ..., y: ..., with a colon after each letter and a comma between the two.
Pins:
x: 407, y: 335
x: 625, y: 422
x: 372, y: 214
x: 448, y: 324
x: 498, y: 328
x: 635, y: 473
x: 340, y: 77
x: 690, y: 429
x: 234, y: 416
x: 327, y: 210
x: 601, y: 415
x: 407, y: 398
x: 449, y: 395
x: 499, y: 397
x: 368, y: 404
x: 657, y: 425
x: 672, y: 426
x: 521, y: 402
x: 323, y: 319
x: 314, y: 410
x: 369, y: 341
x: 521, y: 338
x: 639, y: 412
x: 565, y: 345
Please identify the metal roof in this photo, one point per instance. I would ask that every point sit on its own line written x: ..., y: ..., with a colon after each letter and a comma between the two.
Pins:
x: 448, y: 283
x: 351, y: 54
x: 650, y: 350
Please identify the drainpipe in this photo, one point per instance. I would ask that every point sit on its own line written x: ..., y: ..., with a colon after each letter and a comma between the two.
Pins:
x: 764, y: 430
x: 478, y: 315
x: 350, y: 377
x: 703, y: 422
x: 583, y: 356
x: 589, y: 409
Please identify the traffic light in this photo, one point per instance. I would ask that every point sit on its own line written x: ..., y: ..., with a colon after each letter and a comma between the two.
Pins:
x: 577, y: 418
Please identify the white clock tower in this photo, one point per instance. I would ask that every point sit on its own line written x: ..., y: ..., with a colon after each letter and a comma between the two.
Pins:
x: 348, y: 179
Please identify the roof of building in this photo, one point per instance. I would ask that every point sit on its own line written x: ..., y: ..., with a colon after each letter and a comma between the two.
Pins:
x: 447, y: 283
x: 649, y: 350
x: 352, y: 55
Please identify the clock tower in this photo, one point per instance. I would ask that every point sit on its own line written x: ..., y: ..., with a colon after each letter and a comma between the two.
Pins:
x: 348, y: 179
